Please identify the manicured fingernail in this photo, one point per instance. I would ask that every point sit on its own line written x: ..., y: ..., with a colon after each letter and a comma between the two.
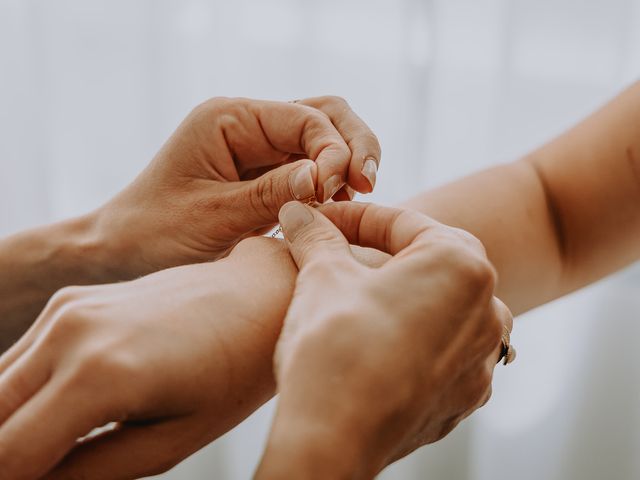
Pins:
x: 370, y: 171
x: 293, y: 217
x: 301, y: 182
x: 331, y: 187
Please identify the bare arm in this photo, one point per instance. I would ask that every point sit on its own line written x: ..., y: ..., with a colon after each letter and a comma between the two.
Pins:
x: 36, y: 263
x: 222, y: 175
x: 562, y: 217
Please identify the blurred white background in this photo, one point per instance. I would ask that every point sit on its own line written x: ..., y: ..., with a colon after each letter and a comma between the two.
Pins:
x: 89, y: 90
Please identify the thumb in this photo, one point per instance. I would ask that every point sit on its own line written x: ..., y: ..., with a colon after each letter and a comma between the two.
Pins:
x: 260, y: 199
x: 311, y: 236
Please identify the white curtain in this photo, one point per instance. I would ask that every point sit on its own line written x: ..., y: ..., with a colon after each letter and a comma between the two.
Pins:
x: 89, y: 91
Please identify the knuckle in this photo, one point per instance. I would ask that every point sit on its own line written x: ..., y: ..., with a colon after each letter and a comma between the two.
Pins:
x: 470, y: 269
x: 111, y: 362
x: 371, y: 139
x: 335, y: 100
x: 316, y: 118
x: 62, y: 298
x: 341, y: 150
x: 264, y: 198
x: 100, y: 365
x: 329, y: 105
x: 212, y: 105
x: 214, y: 110
x: 477, y: 273
x: 467, y: 238
x: 69, y: 321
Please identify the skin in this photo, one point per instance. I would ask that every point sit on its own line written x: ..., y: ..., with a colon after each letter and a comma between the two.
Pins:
x: 222, y: 176
x: 81, y: 355
x: 571, y: 206
x: 333, y: 358
x: 177, y: 358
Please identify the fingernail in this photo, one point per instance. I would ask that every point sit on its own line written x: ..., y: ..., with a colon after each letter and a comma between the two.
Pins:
x: 301, y: 183
x: 370, y: 171
x: 293, y: 217
x: 332, y: 186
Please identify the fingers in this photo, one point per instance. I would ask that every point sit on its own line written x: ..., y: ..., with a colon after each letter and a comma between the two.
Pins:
x: 384, y: 228
x: 17, y: 349
x: 312, y: 237
x: 20, y: 381
x: 55, y: 303
x: 38, y: 435
x: 299, y: 128
x: 258, y: 201
x: 363, y: 144
x: 156, y: 447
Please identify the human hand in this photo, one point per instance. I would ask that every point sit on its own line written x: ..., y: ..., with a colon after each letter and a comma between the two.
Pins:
x: 225, y: 173
x: 177, y: 358
x: 374, y: 363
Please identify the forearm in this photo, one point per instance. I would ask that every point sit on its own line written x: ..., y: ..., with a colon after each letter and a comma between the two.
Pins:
x: 565, y: 216
x: 505, y: 208
x: 36, y: 263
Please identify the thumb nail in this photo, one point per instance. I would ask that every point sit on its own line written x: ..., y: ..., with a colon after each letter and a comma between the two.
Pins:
x: 293, y: 217
x: 370, y: 170
x: 301, y: 182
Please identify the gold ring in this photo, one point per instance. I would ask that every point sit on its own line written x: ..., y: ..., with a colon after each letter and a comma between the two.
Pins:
x: 507, y: 352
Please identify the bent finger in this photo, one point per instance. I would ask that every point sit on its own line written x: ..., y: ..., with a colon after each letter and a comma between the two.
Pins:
x: 21, y: 380
x: 297, y: 128
x: 258, y: 202
x: 362, y: 142
x: 311, y: 236
x: 67, y: 413
x: 56, y: 303
x: 384, y: 228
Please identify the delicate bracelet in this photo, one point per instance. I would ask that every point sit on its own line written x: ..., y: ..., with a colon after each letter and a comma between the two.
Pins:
x: 277, y: 232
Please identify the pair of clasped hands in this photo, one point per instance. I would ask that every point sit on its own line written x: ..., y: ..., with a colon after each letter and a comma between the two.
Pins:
x: 377, y: 326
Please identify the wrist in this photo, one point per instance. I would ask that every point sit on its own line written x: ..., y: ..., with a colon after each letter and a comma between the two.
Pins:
x: 79, y: 252
x: 38, y: 262
x: 310, y: 448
